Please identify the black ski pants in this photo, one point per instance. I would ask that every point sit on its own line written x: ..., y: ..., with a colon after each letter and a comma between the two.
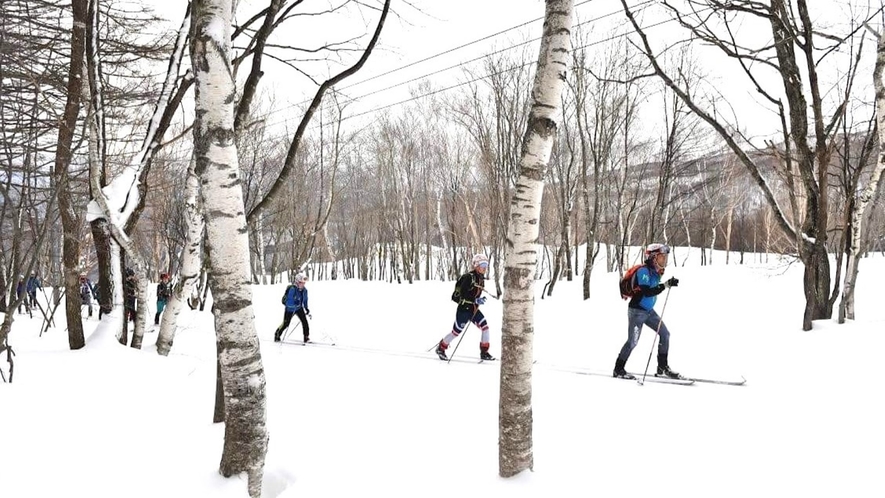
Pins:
x: 287, y: 318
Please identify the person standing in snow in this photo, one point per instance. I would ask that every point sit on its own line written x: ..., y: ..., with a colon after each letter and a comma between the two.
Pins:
x: 101, y: 309
x: 130, y: 292
x: 86, y: 294
x: 640, y: 311
x: 21, y: 292
x: 32, y: 286
x: 295, y: 299
x: 468, y: 290
x: 162, y: 296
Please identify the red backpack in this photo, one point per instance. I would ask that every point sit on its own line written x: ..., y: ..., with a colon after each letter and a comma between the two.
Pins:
x: 627, y: 284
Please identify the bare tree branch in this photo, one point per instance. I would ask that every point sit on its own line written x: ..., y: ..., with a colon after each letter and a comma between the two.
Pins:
x: 302, y: 126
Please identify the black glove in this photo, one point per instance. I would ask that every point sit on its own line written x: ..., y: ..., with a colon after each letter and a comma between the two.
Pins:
x: 306, y: 311
x: 673, y: 282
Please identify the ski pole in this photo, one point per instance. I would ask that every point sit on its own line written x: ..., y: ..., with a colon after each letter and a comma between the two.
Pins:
x: 460, y: 338
x: 657, y: 331
x: 288, y: 330
x: 435, y: 344
x: 327, y: 336
x: 463, y: 332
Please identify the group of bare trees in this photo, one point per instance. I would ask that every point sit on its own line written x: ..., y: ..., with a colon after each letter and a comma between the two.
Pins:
x: 806, y: 73
x: 105, y: 164
x: 81, y: 123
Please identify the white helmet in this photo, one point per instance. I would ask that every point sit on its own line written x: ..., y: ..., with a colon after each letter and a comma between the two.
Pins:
x: 479, y: 259
x: 654, y: 249
x: 300, y: 278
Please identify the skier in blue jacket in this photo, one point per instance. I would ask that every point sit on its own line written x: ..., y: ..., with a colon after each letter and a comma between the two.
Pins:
x: 295, y: 299
x: 640, y: 311
x: 32, y: 285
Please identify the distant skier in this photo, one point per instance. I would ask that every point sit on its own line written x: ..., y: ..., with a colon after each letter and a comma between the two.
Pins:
x: 295, y: 300
x: 640, y: 311
x: 32, y: 285
x: 130, y: 293
x: 162, y: 296
x: 86, y: 293
x: 22, y: 293
x: 468, y: 295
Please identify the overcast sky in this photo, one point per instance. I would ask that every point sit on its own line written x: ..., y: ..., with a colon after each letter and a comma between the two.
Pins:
x: 422, y: 29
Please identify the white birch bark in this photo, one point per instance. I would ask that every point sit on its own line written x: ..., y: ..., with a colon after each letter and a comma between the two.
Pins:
x: 471, y: 224
x: 122, y: 192
x: 846, y: 305
x: 117, y: 201
x: 330, y: 251
x: 259, y: 242
x: 190, y: 263
x: 713, y: 225
x: 443, y: 237
x: 227, y: 244
x: 92, y: 95
x: 515, y: 452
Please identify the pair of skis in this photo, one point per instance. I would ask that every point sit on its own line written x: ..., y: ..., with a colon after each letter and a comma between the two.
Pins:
x: 330, y: 341
x: 685, y: 381
x: 408, y: 354
x: 682, y: 381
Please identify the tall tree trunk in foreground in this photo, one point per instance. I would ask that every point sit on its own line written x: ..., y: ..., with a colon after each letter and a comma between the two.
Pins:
x: 227, y: 243
x: 515, y: 410
x: 69, y: 220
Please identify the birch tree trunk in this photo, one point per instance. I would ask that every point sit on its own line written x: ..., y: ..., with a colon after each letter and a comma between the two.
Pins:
x: 442, y: 230
x: 846, y: 306
x: 93, y: 96
x: 260, y: 245
x: 515, y: 410
x: 94, y: 145
x: 330, y: 250
x: 190, y: 263
x: 227, y: 244
x: 113, y: 216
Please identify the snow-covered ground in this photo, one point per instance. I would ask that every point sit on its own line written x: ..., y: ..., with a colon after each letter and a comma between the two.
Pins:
x: 370, y: 417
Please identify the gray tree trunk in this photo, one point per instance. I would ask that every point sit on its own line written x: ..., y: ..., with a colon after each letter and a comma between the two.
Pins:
x: 227, y: 244
x: 69, y: 220
x: 515, y: 409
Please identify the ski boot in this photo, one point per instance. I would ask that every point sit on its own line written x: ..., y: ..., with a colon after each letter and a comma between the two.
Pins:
x: 484, y: 352
x: 441, y: 351
x: 664, y: 369
x: 620, y: 372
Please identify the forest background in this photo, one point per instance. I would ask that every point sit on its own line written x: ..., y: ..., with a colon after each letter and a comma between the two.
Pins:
x: 734, y: 126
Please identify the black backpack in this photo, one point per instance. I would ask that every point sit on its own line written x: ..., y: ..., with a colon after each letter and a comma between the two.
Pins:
x: 456, y: 294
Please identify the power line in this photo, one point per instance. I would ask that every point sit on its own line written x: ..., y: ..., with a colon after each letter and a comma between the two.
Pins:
x: 643, y: 4
x: 440, y: 54
x: 464, y: 63
x: 434, y: 56
x: 473, y: 80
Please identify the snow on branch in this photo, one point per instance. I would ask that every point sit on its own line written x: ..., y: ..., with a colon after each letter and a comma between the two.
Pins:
x: 122, y: 193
